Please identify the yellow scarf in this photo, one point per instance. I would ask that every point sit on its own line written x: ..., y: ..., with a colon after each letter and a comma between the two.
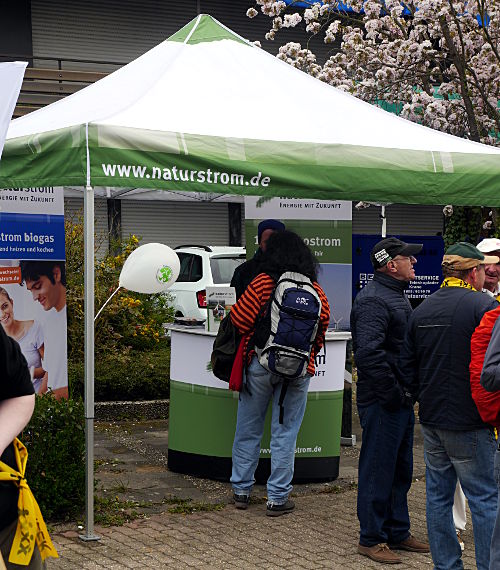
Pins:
x: 456, y: 282
x: 31, y: 527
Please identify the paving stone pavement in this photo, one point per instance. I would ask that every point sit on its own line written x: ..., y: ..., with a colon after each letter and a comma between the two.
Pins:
x: 321, y: 533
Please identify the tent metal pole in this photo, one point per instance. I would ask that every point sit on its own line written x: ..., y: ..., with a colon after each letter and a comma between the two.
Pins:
x: 384, y: 222
x: 89, y: 363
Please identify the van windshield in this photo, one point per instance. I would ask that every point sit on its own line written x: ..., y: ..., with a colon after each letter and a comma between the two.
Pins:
x: 223, y: 267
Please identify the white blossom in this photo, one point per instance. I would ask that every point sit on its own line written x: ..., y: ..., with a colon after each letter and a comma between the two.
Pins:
x: 313, y: 27
x: 252, y: 12
x: 291, y: 20
x: 332, y: 31
x: 312, y: 13
x: 413, y: 59
x: 448, y: 210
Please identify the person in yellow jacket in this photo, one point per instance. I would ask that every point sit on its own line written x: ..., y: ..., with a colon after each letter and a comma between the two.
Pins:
x: 24, y: 541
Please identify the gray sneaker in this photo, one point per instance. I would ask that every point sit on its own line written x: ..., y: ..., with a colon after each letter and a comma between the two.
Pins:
x: 241, y: 501
x: 274, y: 510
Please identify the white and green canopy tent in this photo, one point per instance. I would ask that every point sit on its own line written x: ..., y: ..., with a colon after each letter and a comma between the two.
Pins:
x: 207, y: 111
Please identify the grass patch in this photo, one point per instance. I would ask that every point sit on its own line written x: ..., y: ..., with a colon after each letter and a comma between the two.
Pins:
x: 188, y: 506
x: 337, y: 489
x: 257, y: 500
x: 114, y: 512
x: 109, y: 465
x: 120, y: 487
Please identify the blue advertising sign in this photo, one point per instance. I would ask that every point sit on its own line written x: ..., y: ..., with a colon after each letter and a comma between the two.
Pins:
x: 33, y: 282
x: 31, y: 236
x: 427, y: 270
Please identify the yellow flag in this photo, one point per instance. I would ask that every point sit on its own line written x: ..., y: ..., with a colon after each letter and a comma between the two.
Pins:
x: 31, y: 527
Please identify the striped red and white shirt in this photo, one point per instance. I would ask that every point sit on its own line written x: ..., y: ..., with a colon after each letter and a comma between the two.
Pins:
x: 244, y: 314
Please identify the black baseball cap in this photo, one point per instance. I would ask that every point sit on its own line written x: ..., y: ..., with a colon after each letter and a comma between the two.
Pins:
x: 389, y: 248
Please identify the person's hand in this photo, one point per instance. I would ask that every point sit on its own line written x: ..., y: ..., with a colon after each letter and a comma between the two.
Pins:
x: 44, y: 384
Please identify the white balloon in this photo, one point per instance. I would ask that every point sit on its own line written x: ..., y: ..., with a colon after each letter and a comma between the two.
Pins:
x: 151, y: 268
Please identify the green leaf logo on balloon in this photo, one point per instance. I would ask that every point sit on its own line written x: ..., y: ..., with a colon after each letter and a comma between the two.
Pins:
x: 164, y: 274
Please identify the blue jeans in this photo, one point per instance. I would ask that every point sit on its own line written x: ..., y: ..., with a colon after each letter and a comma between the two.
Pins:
x: 384, y: 474
x: 259, y: 389
x: 468, y: 455
x: 495, y: 539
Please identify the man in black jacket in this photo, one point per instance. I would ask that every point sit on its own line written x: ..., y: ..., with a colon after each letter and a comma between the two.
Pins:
x: 245, y: 273
x: 378, y: 323
x: 457, y: 443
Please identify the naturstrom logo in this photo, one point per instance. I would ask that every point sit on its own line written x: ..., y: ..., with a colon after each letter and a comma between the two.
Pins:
x: 164, y: 274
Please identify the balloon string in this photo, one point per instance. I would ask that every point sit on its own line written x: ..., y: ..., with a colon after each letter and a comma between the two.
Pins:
x: 109, y: 299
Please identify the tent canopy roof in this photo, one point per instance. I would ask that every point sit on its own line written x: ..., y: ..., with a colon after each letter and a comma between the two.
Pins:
x: 206, y: 80
x: 206, y: 99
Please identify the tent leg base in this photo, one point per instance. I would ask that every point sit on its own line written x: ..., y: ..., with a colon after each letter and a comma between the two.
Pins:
x: 89, y: 537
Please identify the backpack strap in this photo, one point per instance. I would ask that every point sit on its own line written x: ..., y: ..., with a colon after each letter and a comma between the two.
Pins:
x: 284, y: 388
x: 261, y: 316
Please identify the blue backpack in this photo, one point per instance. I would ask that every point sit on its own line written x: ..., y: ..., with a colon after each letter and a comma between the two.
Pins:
x: 285, y: 335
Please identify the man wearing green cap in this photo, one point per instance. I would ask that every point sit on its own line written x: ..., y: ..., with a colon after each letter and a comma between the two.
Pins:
x: 458, y: 445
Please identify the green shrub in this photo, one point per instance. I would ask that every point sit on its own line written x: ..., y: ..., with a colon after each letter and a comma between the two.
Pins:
x: 55, y: 440
x: 129, y: 321
x: 140, y: 375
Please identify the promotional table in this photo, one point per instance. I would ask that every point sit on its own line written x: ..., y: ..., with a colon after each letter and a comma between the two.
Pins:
x: 203, y: 412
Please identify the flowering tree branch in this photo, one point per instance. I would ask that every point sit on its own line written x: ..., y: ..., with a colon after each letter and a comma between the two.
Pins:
x: 437, y: 60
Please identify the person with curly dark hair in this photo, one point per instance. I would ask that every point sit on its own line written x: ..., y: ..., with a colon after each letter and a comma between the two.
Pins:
x: 286, y: 252
x: 247, y: 271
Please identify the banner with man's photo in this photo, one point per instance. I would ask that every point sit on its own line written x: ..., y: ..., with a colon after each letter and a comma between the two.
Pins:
x: 33, y: 282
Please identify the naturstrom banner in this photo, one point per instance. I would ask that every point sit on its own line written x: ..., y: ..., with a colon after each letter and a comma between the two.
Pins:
x: 33, y: 282
x: 326, y: 227
x: 131, y: 157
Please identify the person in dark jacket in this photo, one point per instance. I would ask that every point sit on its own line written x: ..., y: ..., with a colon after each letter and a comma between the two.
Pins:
x: 245, y: 273
x: 490, y: 381
x: 378, y: 323
x: 17, y: 401
x: 457, y: 443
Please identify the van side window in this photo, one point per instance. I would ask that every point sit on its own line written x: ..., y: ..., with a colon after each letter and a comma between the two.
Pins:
x: 191, y: 267
x: 196, y: 268
x: 185, y: 259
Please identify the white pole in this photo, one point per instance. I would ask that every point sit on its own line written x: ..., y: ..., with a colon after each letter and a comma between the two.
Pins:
x: 384, y: 221
x: 89, y: 363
